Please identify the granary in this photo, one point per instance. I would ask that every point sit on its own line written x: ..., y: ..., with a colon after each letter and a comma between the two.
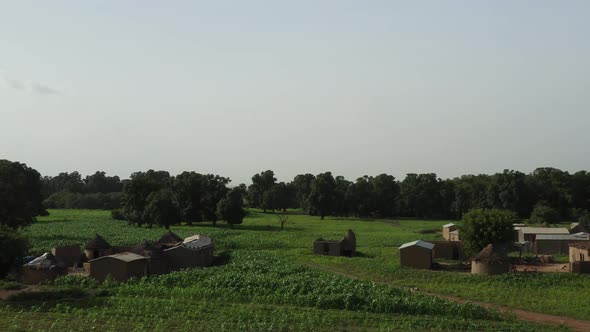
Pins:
x: 555, y: 243
x: 120, y: 267
x: 169, y: 238
x: 42, y: 268
x: 344, y: 247
x: 447, y: 229
x: 417, y: 254
x: 491, y: 260
x: 194, y: 251
x: 97, y: 247
x: 157, y: 261
x: 530, y: 233
x: 448, y: 250
x: 579, y: 256
x: 70, y: 255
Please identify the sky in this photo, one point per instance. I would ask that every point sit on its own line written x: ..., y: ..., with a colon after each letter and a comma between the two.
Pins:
x: 238, y: 87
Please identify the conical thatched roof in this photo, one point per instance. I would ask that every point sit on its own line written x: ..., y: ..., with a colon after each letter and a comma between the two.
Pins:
x: 169, y: 238
x: 97, y: 243
x: 492, y: 254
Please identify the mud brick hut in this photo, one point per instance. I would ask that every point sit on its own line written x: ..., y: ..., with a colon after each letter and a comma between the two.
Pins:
x: 194, y: 251
x: 70, y: 255
x: 97, y: 248
x: 579, y: 255
x: 120, y: 267
x: 417, y: 254
x: 447, y: 229
x: 43, y: 268
x: 157, y: 261
x: 491, y: 260
x: 344, y: 247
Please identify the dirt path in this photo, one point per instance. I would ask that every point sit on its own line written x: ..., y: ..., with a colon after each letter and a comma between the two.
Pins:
x: 523, y: 315
x: 533, y: 317
x: 6, y: 293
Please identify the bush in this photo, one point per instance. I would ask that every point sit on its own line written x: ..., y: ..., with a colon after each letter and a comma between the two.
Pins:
x: 117, y: 214
x: 13, y: 246
x: 480, y: 227
x: 543, y: 214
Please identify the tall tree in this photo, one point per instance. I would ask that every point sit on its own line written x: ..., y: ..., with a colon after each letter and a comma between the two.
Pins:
x: 231, y: 209
x: 321, y: 197
x: 260, y: 183
x: 99, y: 182
x: 161, y: 209
x: 137, y: 190
x: 480, y: 227
x: 302, y: 187
x: 20, y: 194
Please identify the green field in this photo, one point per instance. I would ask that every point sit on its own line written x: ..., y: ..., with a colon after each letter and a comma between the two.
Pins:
x: 273, y: 282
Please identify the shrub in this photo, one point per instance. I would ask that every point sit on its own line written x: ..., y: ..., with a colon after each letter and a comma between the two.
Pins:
x: 480, y: 227
x: 13, y: 246
x: 117, y: 214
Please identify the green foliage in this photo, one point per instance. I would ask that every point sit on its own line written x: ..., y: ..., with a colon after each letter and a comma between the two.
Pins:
x: 231, y: 209
x: 20, y: 194
x: 13, y: 246
x: 480, y: 227
x: 161, y: 209
x: 117, y: 214
x: 137, y: 191
x: 543, y: 214
x: 93, y: 201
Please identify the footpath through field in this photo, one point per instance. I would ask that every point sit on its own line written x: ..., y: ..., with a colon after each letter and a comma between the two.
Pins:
x: 523, y: 315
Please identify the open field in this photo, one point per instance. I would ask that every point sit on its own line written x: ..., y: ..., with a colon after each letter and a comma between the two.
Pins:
x: 273, y: 282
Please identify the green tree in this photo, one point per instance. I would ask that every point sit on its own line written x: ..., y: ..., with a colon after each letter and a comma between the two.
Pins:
x: 13, y: 246
x: 480, y: 227
x: 20, y: 194
x: 302, y: 187
x: 231, y: 208
x: 189, y: 188
x: 161, y: 209
x: 321, y: 197
x: 543, y: 214
x: 260, y: 184
x: 137, y: 191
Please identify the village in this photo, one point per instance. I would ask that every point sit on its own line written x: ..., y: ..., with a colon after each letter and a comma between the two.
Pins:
x: 100, y: 260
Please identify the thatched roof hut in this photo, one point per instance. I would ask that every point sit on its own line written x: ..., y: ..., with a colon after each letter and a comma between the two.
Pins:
x: 169, y: 238
x: 491, y: 260
x: 98, y: 243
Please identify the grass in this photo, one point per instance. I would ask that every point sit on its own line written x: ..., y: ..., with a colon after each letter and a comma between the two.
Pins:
x: 273, y: 282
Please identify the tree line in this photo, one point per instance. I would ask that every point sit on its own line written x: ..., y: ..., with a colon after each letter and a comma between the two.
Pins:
x: 71, y: 191
x: 548, y: 191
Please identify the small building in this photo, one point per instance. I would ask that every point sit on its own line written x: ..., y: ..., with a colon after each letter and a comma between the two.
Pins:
x: 69, y: 255
x: 120, y: 267
x: 579, y: 257
x: 555, y: 244
x: 97, y: 248
x: 452, y: 250
x: 417, y: 254
x: 530, y: 233
x: 344, y: 247
x: 447, y: 229
x: 169, y: 238
x: 454, y: 235
x: 491, y: 260
x: 194, y: 251
x: 43, y: 268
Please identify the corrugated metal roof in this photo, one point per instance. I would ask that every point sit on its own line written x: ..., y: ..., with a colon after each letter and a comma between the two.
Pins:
x: 418, y: 243
x: 448, y: 225
x: 558, y: 237
x: 544, y: 230
x: 197, y: 241
x: 124, y: 256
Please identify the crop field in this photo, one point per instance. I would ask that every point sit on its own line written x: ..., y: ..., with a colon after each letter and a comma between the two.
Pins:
x: 270, y: 281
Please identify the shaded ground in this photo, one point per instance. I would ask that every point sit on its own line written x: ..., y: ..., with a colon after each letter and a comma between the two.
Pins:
x: 543, y: 268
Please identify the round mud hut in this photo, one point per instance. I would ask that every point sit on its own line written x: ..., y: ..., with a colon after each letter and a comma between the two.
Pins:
x: 491, y: 260
x: 97, y: 247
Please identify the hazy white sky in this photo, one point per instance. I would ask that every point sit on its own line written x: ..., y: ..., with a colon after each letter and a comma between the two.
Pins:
x: 237, y: 87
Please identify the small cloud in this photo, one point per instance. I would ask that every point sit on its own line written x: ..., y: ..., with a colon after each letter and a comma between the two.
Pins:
x: 43, y: 89
x: 33, y: 87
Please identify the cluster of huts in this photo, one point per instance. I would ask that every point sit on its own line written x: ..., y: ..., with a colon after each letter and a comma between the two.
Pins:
x: 100, y: 260
x: 493, y: 259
